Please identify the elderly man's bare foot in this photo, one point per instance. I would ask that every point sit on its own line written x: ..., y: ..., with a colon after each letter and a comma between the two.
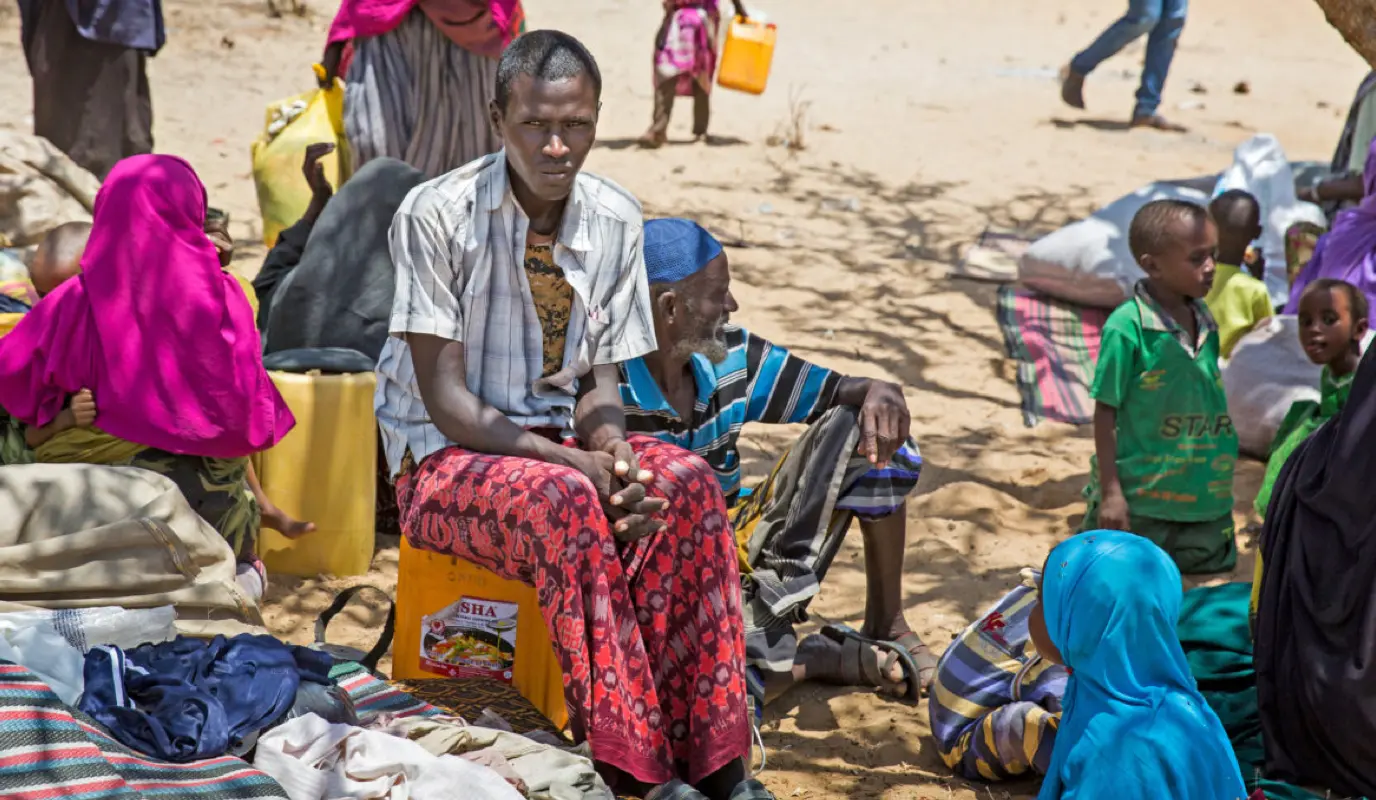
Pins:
x: 1157, y: 122
x: 1073, y: 88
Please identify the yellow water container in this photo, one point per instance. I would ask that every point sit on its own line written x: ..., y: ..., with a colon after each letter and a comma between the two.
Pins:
x: 747, y: 55
x: 458, y: 620
x: 324, y: 471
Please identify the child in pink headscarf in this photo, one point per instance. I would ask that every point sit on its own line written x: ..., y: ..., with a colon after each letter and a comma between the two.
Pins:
x: 685, y: 62
x: 150, y: 357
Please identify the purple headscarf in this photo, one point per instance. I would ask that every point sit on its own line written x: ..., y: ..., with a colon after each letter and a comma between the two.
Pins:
x: 1348, y: 251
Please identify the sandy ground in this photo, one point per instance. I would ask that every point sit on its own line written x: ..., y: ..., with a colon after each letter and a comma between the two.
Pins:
x: 921, y: 123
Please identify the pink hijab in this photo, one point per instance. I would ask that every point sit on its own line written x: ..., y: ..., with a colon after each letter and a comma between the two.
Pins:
x: 162, y: 336
x: 460, y: 20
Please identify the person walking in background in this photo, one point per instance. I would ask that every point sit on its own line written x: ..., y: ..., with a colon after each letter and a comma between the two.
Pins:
x: 90, y: 87
x: 685, y: 61
x: 418, y: 79
x: 1161, y: 21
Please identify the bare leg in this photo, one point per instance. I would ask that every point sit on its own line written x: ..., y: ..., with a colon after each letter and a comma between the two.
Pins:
x: 702, y: 110
x: 658, y: 133
x: 275, y: 518
x: 821, y: 658
x: 886, y: 541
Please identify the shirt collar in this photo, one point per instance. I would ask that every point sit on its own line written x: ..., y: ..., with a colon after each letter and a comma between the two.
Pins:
x: 578, y: 212
x: 647, y: 394
x: 1155, y: 318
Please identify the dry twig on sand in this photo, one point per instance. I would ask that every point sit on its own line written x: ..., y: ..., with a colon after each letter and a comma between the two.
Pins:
x: 792, y: 132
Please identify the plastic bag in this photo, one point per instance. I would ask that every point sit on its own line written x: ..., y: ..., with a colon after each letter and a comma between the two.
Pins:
x: 291, y: 125
x: 53, y: 643
x: 1267, y: 374
x: 1088, y: 262
x: 1261, y: 169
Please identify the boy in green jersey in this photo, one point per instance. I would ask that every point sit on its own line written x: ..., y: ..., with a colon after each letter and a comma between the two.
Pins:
x: 1164, y: 444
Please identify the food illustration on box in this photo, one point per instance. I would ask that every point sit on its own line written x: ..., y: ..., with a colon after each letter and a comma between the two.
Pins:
x: 473, y: 638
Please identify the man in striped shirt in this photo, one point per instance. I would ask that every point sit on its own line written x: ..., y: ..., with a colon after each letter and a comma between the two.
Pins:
x: 705, y: 381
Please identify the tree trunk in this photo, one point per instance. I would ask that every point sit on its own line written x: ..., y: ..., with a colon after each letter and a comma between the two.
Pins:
x: 1356, y: 21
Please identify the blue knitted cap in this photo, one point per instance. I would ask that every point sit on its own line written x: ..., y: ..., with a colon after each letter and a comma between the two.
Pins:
x: 677, y: 248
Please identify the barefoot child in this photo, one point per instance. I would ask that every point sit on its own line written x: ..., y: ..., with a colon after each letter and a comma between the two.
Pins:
x: 1333, y: 320
x: 1135, y: 726
x: 1237, y: 300
x: 183, y: 394
x: 1164, y: 443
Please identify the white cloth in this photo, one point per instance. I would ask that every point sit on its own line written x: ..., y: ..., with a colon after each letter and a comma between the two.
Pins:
x: 315, y: 760
x: 1260, y: 168
x: 52, y: 643
x: 549, y: 772
x: 36, y: 644
x: 459, y: 243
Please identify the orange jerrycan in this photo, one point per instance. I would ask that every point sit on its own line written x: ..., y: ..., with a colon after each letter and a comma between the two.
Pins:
x: 747, y: 55
x: 456, y: 619
x: 324, y: 471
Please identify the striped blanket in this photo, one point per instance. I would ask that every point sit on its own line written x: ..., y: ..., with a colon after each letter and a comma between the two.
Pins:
x: 51, y: 751
x: 1055, y: 345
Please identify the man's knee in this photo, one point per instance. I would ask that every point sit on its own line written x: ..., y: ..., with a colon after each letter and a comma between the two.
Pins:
x: 553, y: 487
x: 1142, y: 17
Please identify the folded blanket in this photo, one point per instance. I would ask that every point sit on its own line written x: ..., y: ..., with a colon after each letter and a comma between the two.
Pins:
x: 1055, y: 345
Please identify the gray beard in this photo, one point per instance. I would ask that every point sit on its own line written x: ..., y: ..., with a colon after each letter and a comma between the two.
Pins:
x: 714, y: 350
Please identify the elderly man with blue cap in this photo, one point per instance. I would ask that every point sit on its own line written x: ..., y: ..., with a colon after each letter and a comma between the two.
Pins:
x: 706, y: 380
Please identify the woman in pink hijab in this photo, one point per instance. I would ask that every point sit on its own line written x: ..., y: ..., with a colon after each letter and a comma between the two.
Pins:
x: 418, y: 77
x: 150, y: 357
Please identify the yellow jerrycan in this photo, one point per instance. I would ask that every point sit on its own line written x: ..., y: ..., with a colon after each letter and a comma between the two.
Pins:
x: 324, y: 471
x: 458, y: 620
x: 747, y: 55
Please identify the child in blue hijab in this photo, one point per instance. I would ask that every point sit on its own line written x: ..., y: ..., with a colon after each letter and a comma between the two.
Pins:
x: 1134, y: 725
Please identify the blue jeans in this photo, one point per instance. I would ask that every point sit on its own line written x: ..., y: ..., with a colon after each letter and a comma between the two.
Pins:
x: 1162, y: 21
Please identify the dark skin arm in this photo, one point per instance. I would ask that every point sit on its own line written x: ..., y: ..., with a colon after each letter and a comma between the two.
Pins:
x: 474, y: 425
x: 1113, y: 506
x: 884, y: 417
x: 599, y: 420
x: 80, y: 413
x: 334, y: 53
x: 1344, y: 189
x: 740, y: 9
x: 321, y: 190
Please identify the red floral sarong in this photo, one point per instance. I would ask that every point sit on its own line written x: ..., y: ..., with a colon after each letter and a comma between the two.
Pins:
x: 649, y: 635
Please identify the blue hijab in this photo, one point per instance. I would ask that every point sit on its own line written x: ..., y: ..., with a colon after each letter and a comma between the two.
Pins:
x: 1134, y: 724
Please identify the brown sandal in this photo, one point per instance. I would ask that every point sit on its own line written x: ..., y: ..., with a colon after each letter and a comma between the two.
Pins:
x: 860, y: 665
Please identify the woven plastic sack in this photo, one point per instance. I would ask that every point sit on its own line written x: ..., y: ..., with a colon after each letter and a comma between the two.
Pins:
x: 1088, y: 262
x: 1267, y: 374
x: 1261, y: 169
x: 40, y: 188
x: 291, y: 125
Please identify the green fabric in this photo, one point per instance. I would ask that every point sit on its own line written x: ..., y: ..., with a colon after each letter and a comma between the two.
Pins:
x: 1363, y: 131
x: 1217, y: 640
x: 1303, y: 418
x: 14, y: 449
x: 1176, y: 443
x: 1198, y: 548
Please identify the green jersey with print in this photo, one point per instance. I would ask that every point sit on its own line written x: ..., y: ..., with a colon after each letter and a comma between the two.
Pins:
x: 1176, y: 443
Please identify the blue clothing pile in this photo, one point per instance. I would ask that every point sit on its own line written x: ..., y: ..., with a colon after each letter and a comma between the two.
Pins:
x: 190, y: 699
x: 10, y: 305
